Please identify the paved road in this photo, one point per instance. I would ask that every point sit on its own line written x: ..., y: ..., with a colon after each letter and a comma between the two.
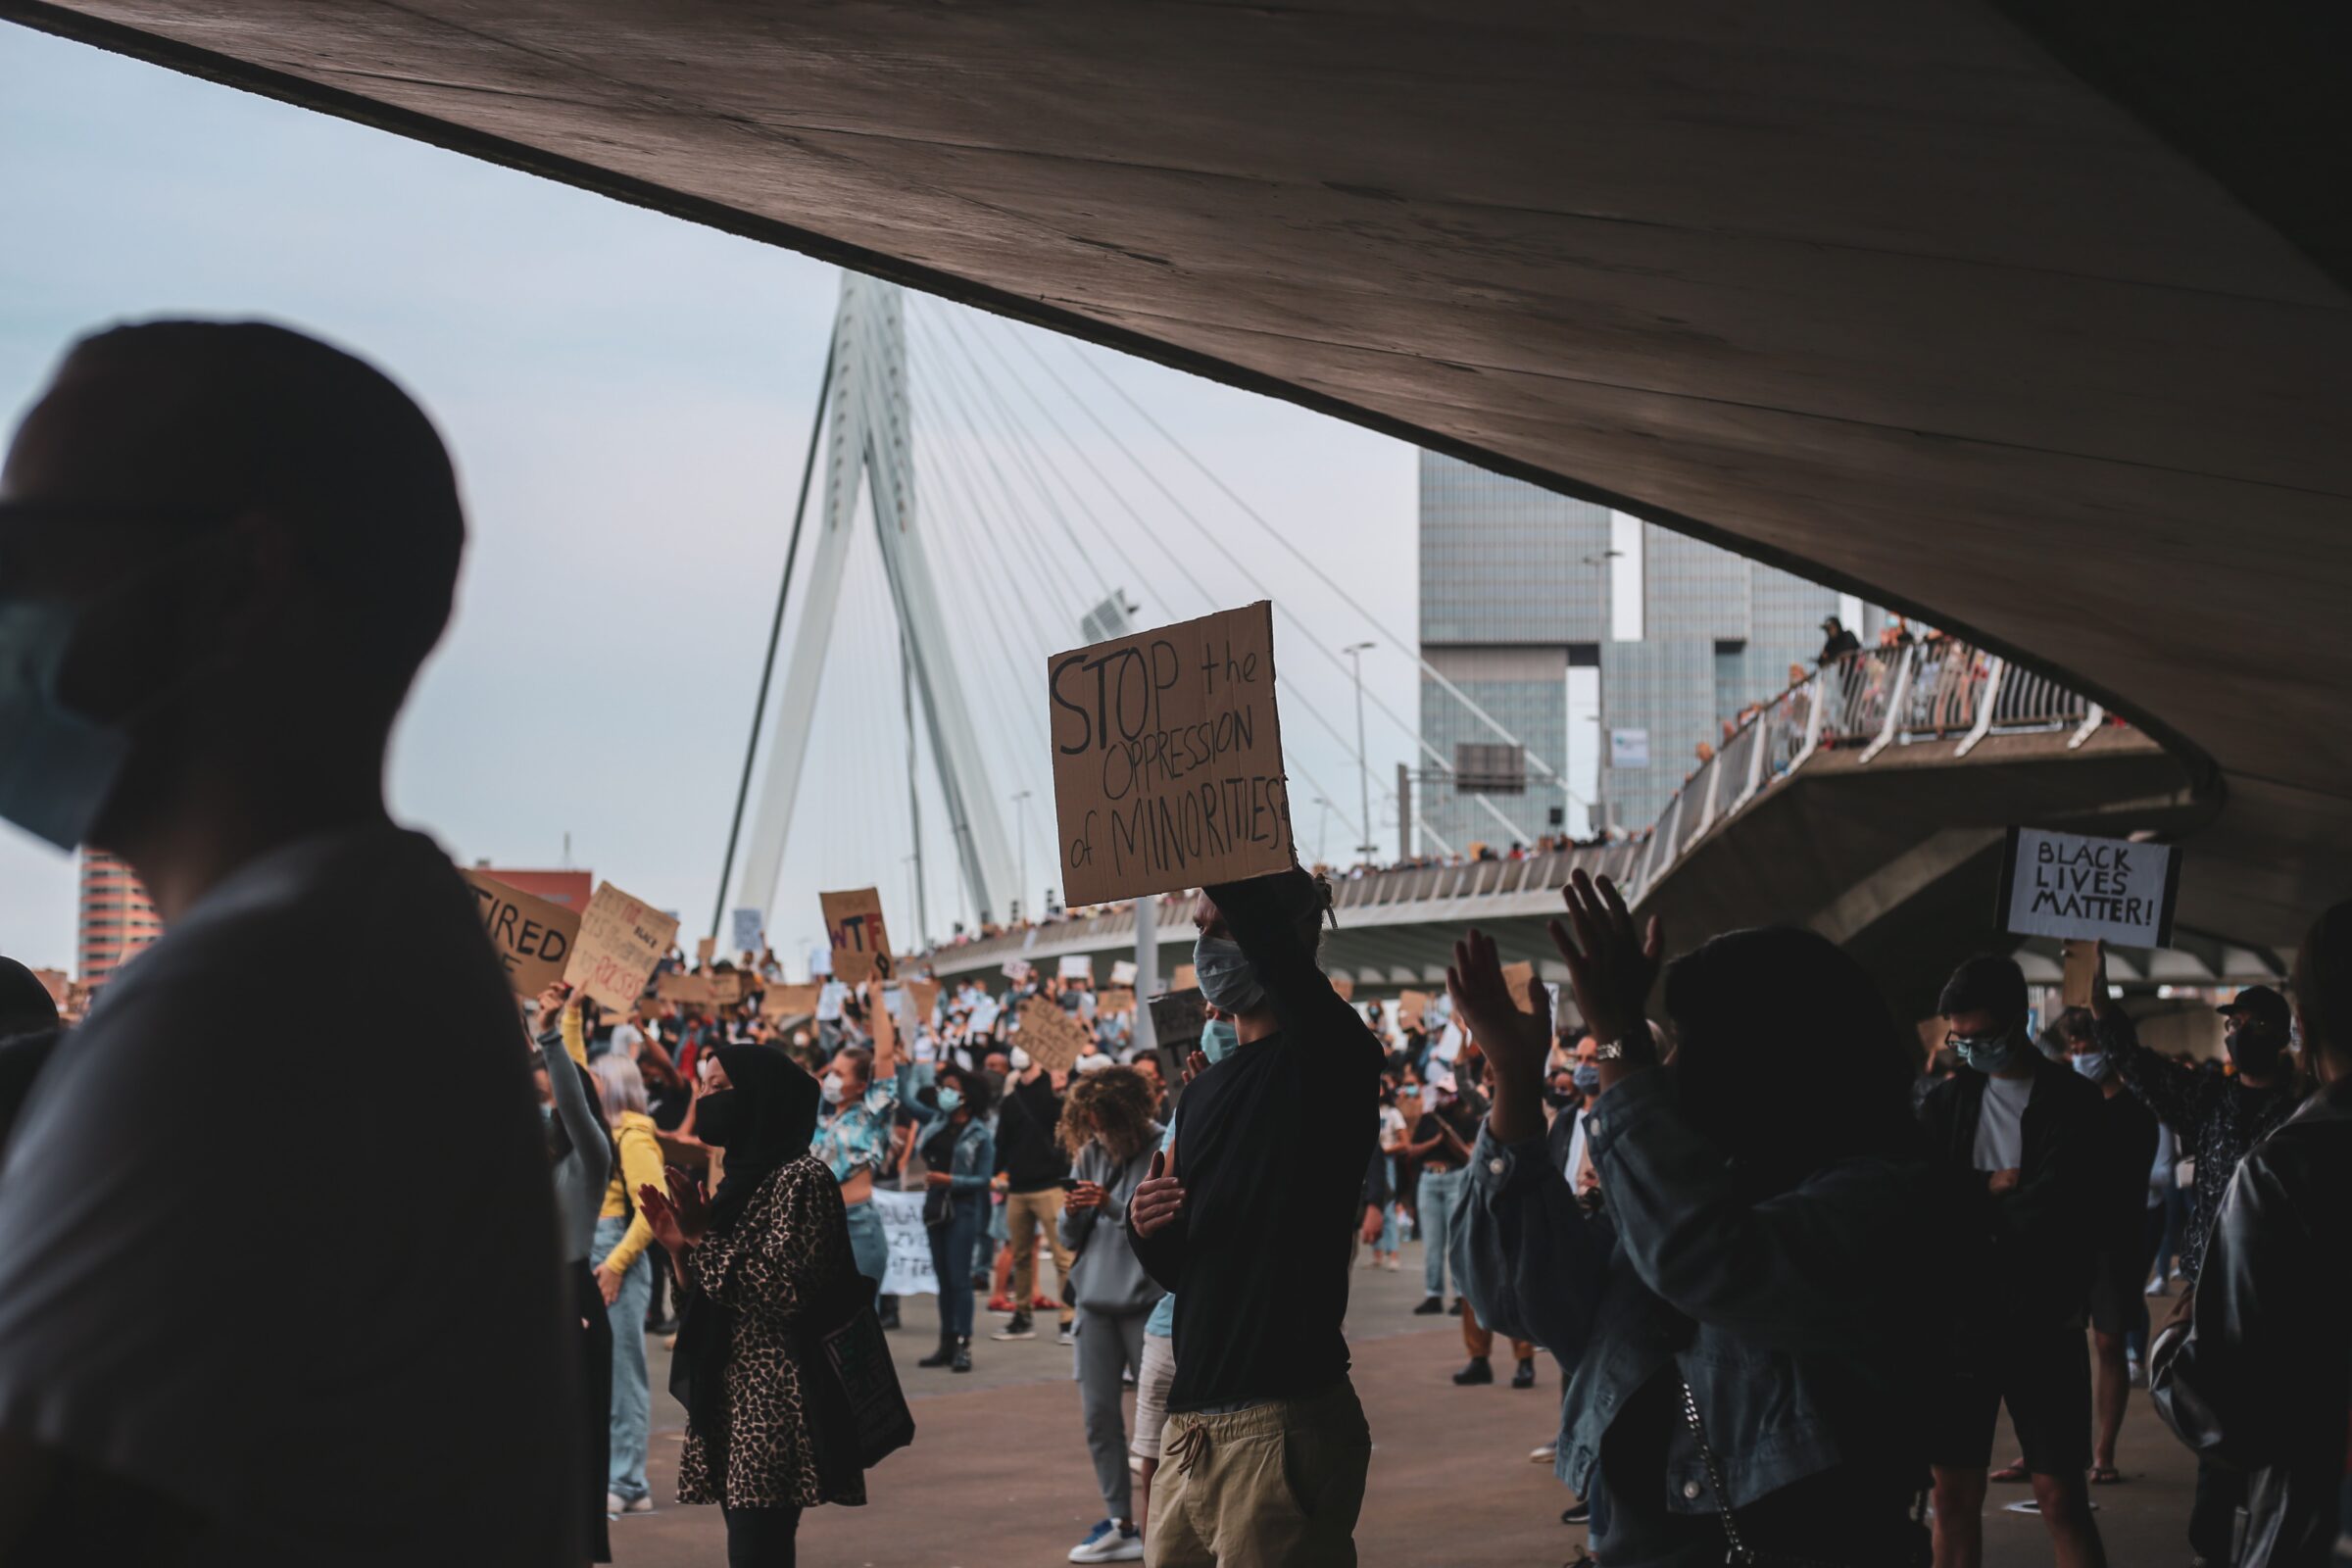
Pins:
x: 998, y: 1475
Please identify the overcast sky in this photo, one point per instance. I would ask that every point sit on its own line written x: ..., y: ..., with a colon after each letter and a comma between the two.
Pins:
x: 628, y: 397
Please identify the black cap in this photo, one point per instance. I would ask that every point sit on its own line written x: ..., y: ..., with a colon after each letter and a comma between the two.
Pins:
x: 2263, y: 1005
x: 1987, y: 983
x: 1827, y: 622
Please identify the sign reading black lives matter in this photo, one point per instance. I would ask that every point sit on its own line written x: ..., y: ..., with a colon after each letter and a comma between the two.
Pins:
x: 1167, y: 758
x: 2104, y: 889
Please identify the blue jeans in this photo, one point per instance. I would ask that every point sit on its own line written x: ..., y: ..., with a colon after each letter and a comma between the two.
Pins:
x: 1388, y: 1239
x: 1439, y: 1191
x: 867, y: 1245
x: 951, y: 1260
x: 632, y: 1395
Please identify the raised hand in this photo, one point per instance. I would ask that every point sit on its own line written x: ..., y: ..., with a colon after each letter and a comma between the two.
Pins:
x: 690, y: 1201
x: 1158, y: 1198
x: 1610, y: 968
x: 1515, y: 1043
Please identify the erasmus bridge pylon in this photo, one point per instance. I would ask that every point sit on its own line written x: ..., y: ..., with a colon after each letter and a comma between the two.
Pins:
x: 868, y: 444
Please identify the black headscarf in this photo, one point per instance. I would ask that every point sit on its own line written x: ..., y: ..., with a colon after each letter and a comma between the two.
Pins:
x: 771, y: 1124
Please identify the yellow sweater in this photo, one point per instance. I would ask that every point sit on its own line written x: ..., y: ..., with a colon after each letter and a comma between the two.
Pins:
x: 640, y: 1166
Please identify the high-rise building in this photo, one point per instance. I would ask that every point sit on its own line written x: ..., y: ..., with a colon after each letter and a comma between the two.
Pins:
x: 117, y: 918
x: 1610, y: 648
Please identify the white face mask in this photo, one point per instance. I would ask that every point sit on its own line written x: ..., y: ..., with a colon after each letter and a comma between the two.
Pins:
x: 831, y: 1088
x: 1020, y: 1060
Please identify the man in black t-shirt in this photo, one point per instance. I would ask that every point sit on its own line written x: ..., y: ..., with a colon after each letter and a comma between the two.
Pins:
x: 1030, y: 1159
x: 1251, y: 1223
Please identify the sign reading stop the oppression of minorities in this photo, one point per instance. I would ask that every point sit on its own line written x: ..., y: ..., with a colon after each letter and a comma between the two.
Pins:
x: 620, y: 941
x: 1167, y: 758
x: 533, y: 936
x: 854, y: 926
x: 2100, y: 890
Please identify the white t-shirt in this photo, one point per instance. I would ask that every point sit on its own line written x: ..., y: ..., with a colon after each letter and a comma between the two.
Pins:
x: 2001, y: 1127
x: 1391, y: 1125
x: 232, y: 1119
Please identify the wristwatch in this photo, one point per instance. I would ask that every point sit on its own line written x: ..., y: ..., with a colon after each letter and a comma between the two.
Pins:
x: 1608, y: 1050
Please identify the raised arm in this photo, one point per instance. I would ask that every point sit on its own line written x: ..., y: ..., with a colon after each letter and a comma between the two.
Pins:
x: 1533, y: 1262
x: 582, y: 1123
x: 2173, y: 1094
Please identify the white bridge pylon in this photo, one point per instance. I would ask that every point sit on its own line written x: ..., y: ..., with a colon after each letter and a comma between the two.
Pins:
x: 868, y: 439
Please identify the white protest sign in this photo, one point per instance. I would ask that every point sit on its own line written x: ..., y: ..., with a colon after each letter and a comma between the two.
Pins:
x: 1629, y: 748
x: 2101, y: 890
x: 909, y: 1272
x: 747, y: 930
x: 1122, y: 972
x: 1077, y: 966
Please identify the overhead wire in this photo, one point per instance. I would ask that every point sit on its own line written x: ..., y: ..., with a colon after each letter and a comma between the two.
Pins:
x: 1322, y: 576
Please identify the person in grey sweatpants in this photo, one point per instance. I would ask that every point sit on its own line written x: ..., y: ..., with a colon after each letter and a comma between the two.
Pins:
x: 1106, y: 1126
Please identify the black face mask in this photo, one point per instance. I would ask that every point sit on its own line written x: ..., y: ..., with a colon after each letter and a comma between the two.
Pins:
x: 716, y: 1117
x: 2253, y: 1048
x: 1560, y: 1099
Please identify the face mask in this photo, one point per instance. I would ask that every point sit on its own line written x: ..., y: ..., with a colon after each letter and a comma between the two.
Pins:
x: 1560, y: 1099
x: 951, y: 1100
x: 832, y: 1089
x: 1020, y: 1060
x: 1227, y: 982
x: 714, y: 1118
x: 1989, y: 1053
x: 2094, y: 1065
x: 57, y: 768
x: 2253, y: 1049
x: 1219, y: 1039
x: 1587, y: 1076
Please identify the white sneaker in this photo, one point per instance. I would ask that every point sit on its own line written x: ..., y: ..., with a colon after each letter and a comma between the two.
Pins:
x: 614, y: 1508
x: 1391, y: 1264
x: 1545, y: 1455
x: 613, y: 1505
x: 1109, y: 1541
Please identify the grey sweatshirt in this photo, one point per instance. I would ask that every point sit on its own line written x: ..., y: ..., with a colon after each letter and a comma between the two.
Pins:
x: 581, y: 1176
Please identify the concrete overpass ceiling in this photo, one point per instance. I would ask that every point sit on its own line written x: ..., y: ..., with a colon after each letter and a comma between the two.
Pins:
x: 2038, y: 329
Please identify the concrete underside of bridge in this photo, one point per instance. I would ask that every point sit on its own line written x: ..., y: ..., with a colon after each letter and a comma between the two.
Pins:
x: 2031, y: 319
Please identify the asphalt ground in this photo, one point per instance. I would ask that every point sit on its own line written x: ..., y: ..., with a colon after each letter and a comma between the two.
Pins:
x: 998, y: 1475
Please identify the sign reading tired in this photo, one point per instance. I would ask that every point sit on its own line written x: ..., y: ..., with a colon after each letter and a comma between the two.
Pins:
x: 854, y: 926
x: 2100, y: 890
x: 621, y: 939
x: 533, y: 936
x: 1167, y: 758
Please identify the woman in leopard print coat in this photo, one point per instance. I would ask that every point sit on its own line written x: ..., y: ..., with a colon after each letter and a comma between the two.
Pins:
x: 774, y: 1239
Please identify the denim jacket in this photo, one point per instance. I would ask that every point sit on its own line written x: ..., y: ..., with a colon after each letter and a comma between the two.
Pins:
x: 974, y: 1163
x: 1795, y: 1320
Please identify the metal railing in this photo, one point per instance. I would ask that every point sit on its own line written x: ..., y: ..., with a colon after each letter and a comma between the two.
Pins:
x: 1940, y: 689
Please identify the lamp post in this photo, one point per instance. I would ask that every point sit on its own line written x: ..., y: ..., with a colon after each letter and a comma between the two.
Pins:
x: 1364, y: 763
x: 1020, y: 805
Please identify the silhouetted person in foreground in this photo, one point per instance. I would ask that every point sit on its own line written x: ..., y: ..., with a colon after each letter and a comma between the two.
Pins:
x: 28, y: 1030
x: 224, y: 551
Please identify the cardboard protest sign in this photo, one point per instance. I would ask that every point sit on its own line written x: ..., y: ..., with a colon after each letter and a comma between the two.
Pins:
x: 1184, y: 979
x: 705, y: 951
x: 746, y: 923
x: 923, y: 995
x: 1077, y: 966
x: 853, y: 924
x: 1167, y: 758
x: 727, y: 986
x: 533, y: 936
x: 1122, y: 972
x: 1410, y: 1005
x: 1052, y: 1038
x: 1115, y: 999
x: 1013, y: 969
x: 1177, y: 1021
x: 788, y: 1002
x: 694, y: 990
x: 1520, y: 980
x: 2101, y: 890
x: 1345, y: 987
x: 620, y: 940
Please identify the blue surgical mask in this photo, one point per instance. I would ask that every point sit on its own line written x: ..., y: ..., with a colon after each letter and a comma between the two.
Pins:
x: 57, y: 768
x: 2094, y: 1065
x: 1219, y: 1040
x: 1989, y: 1054
x: 1227, y: 981
x: 1588, y: 1077
x: 951, y: 1100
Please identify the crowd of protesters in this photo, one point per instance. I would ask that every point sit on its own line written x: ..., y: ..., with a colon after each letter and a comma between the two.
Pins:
x: 1791, y: 1281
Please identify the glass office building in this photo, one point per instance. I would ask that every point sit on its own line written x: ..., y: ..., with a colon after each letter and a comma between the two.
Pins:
x: 1610, y: 648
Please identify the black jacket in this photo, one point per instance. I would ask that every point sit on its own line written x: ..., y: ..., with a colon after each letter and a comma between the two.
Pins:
x: 2024, y: 1258
x: 1028, y: 1147
x: 2261, y: 1377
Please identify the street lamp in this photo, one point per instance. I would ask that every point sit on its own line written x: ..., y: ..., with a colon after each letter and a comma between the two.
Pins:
x: 1364, y: 763
x: 1020, y: 805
